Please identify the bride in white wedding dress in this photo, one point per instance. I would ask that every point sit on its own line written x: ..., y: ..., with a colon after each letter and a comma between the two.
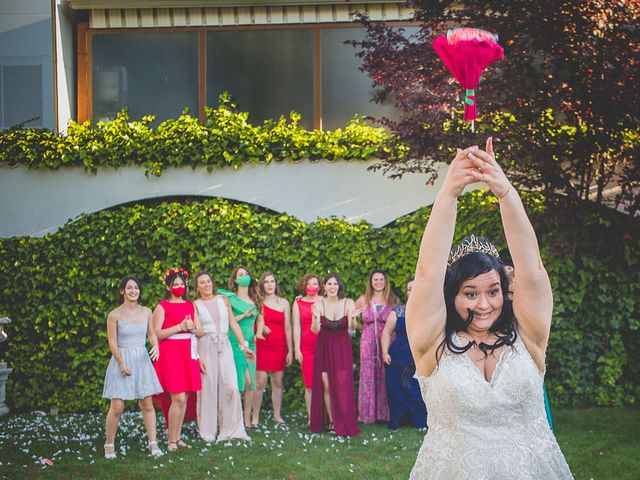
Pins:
x: 480, y: 359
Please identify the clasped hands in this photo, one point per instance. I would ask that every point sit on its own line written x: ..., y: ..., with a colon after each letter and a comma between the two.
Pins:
x: 187, y: 324
x: 473, y: 165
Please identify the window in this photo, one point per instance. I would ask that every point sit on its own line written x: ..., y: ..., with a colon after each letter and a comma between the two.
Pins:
x: 269, y: 73
x: 149, y: 73
x: 21, y: 87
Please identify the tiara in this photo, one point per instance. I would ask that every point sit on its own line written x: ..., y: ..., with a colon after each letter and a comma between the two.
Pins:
x: 172, y: 271
x: 472, y: 244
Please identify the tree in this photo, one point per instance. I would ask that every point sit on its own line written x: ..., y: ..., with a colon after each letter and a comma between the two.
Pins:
x: 564, y: 102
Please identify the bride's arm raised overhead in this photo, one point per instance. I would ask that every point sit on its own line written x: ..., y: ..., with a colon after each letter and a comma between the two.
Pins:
x: 426, y: 312
x: 532, y: 296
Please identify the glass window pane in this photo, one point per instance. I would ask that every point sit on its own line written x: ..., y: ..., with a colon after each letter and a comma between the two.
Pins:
x: 345, y: 89
x: 22, y: 94
x: 268, y: 72
x: 149, y: 73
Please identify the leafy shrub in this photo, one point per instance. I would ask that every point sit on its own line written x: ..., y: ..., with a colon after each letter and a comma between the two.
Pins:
x: 225, y: 139
x: 59, y: 288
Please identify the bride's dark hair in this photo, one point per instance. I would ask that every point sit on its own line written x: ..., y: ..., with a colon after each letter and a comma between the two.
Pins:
x: 465, y: 268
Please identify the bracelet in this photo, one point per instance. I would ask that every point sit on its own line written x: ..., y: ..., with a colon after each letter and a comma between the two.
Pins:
x: 505, y: 193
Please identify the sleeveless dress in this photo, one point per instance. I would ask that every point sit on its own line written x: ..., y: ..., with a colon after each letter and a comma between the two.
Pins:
x: 372, y: 390
x: 272, y: 351
x: 481, y: 429
x: 307, y: 341
x: 219, y: 408
x: 334, y: 356
x: 177, y: 367
x: 403, y: 390
x: 239, y: 306
x: 143, y: 381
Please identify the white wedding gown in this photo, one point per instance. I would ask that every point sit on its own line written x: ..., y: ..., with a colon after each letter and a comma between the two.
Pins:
x: 484, y: 430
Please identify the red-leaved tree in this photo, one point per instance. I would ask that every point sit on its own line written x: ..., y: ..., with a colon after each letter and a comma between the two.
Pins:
x: 564, y: 103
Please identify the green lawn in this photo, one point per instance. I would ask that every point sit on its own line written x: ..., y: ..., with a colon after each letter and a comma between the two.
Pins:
x: 599, y: 443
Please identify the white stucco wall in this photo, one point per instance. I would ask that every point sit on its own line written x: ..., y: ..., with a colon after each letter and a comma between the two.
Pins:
x: 35, y: 203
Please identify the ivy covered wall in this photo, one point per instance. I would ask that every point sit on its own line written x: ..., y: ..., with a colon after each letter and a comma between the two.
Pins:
x: 59, y: 288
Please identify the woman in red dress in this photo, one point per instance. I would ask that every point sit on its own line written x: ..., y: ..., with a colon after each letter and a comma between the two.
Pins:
x: 176, y: 324
x: 304, y: 340
x: 274, y: 345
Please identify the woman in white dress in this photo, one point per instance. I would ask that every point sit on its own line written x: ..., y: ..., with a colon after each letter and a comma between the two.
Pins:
x: 219, y: 408
x: 480, y: 370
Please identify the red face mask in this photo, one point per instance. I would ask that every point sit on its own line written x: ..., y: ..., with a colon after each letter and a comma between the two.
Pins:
x: 178, y: 291
x: 312, y: 290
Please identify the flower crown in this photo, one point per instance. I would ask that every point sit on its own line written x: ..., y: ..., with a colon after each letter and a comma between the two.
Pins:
x: 172, y: 271
x: 472, y: 244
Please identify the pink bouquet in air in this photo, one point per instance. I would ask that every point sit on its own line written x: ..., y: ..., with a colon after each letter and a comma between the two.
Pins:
x: 466, y: 52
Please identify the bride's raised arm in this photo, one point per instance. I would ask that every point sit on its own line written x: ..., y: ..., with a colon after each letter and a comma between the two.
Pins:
x: 532, y: 296
x: 426, y: 312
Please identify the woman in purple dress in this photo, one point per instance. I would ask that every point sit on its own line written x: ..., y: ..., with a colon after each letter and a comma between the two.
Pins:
x: 332, y: 393
x: 376, y: 305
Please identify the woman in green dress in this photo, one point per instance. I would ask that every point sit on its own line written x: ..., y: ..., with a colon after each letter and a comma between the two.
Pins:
x: 244, y: 300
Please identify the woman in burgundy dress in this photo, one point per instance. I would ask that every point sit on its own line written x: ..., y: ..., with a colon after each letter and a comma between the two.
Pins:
x: 304, y: 340
x: 176, y: 324
x: 274, y: 345
x: 332, y: 393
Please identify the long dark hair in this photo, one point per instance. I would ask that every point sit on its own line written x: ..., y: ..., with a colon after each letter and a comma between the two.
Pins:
x: 123, y: 284
x: 465, y: 268
x: 169, y: 281
x: 337, y: 278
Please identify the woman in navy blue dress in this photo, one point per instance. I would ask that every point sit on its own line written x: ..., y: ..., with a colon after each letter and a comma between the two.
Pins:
x: 403, y: 392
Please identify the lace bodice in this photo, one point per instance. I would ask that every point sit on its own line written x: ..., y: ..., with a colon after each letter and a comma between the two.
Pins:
x: 481, y: 429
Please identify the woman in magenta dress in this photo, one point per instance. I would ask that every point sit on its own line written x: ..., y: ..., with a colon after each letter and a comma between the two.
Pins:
x: 332, y: 393
x: 178, y: 368
x: 375, y: 305
x: 274, y: 345
x: 304, y: 340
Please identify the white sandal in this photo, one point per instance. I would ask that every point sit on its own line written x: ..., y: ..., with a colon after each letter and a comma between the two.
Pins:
x: 153, y: 448
x: 109, y: 455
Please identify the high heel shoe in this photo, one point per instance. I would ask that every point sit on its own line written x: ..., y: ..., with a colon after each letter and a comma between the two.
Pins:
x: 153, y: 448
x: 109, y: 455
x: 182, y: 444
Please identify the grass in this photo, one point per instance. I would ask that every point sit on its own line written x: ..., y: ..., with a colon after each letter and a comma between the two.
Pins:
x: 599, y: 444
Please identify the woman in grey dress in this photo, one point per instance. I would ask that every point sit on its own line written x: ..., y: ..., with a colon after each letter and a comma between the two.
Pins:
x: 130, y: 374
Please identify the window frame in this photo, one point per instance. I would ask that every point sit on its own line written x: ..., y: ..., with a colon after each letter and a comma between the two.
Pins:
x: 84, y: 54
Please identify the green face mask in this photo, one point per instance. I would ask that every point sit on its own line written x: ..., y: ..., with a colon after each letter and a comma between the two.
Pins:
x: 243, y: 280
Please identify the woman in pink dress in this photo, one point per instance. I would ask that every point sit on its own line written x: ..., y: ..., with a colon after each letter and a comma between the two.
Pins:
x: 332, y: 394
x: 304, y: 340
x: 375, y: 305
x: 273, y: 344
x: 176, y: 325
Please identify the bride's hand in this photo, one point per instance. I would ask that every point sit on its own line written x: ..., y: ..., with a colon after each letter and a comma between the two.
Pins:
x: 460, y: 172
x: 488, y: 171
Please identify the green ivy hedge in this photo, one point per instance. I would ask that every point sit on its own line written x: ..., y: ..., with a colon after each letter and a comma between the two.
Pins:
x: 59, y: 288
x: 225, y: 139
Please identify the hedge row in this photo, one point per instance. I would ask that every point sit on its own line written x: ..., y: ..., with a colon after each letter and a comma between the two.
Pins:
x: 58, y: 290
x: 224, y: 139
